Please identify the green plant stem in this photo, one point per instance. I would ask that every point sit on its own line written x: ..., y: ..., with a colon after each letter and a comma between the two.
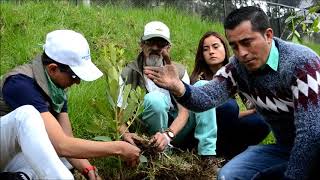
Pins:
x: 118, y: 138
x: 134, y: 117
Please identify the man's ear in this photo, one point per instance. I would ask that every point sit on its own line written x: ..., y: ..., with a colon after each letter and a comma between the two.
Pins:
x: 141, y: 44
x: 169, y: 47
x: 52, y: 68
x: 269, y: 35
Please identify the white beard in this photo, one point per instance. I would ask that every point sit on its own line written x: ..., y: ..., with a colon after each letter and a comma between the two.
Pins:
x: 154, y: 60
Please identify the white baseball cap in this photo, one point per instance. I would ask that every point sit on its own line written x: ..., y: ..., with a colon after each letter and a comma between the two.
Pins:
x: 156, y: 29
x: 71, y: 48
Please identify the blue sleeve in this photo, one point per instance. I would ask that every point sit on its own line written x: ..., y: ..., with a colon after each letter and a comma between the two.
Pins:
x: 65, y: 107
x: 186, y: 94
x: 19, y: 90
x: 214, y: 93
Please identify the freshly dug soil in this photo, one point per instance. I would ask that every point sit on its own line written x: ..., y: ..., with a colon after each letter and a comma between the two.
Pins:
x: 172, y: 164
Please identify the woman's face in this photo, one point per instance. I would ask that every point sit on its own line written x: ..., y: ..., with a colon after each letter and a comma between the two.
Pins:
x: 213, y: 51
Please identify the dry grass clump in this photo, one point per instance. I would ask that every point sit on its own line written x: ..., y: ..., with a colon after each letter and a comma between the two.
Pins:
x: 172, y: 164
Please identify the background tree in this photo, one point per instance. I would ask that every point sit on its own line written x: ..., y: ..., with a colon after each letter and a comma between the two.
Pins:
x: 304, y: 24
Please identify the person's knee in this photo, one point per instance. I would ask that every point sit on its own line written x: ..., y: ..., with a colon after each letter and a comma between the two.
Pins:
x: 65, y: 175
x: 225, y: 173
x: 68, y: 176
x: 24, y: 113
x: 27, y: 110
x: 255, y: 124
x: 230, y: 108
x: 234, y: 170
x: 155, y: 102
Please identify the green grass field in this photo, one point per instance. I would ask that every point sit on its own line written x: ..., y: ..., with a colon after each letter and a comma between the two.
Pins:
x: 23, y: 28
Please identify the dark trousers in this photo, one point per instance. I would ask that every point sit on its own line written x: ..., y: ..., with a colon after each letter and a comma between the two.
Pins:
x: 236, y: 134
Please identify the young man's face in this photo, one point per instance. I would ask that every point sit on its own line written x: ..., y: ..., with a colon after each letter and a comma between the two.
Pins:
x: 62, y: 78
x: 250, y: 47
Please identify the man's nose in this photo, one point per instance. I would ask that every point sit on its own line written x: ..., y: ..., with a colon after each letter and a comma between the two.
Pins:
x: 155, y: 47
x: 242, y: 51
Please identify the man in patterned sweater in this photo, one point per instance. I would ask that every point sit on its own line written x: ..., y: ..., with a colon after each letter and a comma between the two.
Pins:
x: 282, y: 79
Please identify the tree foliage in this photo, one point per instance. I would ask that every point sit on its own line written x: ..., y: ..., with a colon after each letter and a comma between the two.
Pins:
x: 303, y: 23
x: 112, y: 116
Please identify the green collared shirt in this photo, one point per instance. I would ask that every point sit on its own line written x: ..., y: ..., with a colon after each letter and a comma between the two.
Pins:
x: 273, y: 59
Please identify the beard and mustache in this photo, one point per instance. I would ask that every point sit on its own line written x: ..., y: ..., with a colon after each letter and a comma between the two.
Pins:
x: 155, y: 60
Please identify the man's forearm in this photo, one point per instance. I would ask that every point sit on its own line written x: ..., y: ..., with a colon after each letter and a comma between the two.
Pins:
x: 64, y: 121
x: 181, y: 120
x: 83, y: 149
x: 77, y: 148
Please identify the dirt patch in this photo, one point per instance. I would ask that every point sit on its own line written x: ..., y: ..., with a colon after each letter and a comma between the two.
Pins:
x: 172, y: 164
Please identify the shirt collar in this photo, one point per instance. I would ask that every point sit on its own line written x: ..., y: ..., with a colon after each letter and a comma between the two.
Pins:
x: 273, y: 59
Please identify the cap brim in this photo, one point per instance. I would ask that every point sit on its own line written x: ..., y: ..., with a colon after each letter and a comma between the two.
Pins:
x: 87, y: 71
x: 153, y: 36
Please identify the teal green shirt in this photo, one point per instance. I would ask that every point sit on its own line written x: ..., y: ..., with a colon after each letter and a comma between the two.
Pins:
x: 273, y: 59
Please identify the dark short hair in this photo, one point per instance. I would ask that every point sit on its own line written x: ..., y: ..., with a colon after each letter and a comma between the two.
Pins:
x: 46, y: 60
x: 258, y: 18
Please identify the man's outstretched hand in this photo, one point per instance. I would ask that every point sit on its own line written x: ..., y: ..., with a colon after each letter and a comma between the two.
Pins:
x: 166, y: 77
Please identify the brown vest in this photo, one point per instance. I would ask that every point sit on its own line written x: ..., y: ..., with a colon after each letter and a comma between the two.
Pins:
x: 33, y: 70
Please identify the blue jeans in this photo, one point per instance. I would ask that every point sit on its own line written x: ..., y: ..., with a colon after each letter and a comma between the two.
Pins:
x: 259, y: 162
x: 236, y: 134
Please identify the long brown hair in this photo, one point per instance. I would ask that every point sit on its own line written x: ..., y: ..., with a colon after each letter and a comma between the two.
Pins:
x: 201, y: 67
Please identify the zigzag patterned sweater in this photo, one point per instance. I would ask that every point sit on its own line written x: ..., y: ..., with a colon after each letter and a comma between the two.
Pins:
x: 288, y: 98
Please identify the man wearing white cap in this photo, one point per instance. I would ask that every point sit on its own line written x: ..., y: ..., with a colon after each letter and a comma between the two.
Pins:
x: 35, y: 128
x: 167, y: 120
x: 155, y: 45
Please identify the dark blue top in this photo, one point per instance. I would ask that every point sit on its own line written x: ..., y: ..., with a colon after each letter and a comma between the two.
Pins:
x: 19, y: 90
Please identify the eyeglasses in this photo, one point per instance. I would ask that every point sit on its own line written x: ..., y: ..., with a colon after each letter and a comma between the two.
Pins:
x: 69, y: 71
x: 160, y: 42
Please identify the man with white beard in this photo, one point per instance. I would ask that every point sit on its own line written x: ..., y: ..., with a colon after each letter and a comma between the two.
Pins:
x: 158, y: 104
x: 165, y: 119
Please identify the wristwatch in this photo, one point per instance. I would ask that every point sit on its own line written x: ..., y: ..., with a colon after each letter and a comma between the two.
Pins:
x: 170, y: 133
